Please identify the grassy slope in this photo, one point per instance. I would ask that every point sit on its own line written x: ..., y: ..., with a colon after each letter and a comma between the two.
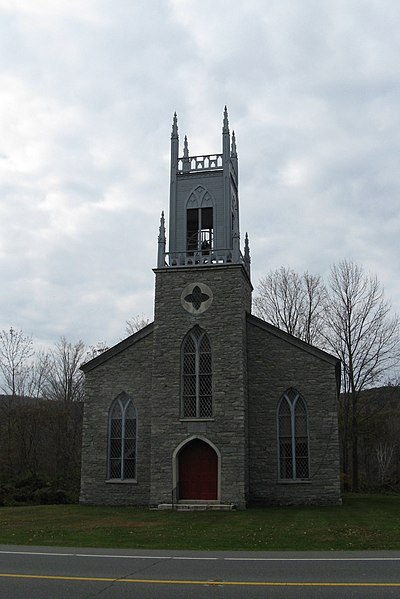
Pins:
x: 363, y: 522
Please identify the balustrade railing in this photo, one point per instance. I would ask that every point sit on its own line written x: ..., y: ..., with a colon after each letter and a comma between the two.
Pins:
x: 200, y: 163
x: 204, y: 258
x: 200, y: 257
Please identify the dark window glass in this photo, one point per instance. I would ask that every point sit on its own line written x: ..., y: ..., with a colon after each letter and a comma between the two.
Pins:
x: 293, y: 437
x: 122, y: 439
x: 199, y: 229
x: 196, y: 375
x: 192, y: 227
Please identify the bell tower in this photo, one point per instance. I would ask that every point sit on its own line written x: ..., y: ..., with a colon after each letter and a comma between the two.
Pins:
x: 204, y: 207
x: 202, y: 299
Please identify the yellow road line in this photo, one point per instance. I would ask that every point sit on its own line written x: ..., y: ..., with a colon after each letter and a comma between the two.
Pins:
x: 204, y: 582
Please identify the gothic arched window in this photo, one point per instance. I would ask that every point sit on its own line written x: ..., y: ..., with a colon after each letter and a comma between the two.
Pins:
x: 196, y: 375
x: 293, y: 437
x: 122, y: 428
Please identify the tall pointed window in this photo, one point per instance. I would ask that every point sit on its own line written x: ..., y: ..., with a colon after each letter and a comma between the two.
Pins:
x: 293, y: 437
x: 196, y: 375
x: 122, y: 428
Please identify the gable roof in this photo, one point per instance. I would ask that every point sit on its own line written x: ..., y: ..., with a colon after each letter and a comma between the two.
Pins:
x: 299, y: 343
x: 251, y: 319
x: 273, y: 330
x: 118, y: 348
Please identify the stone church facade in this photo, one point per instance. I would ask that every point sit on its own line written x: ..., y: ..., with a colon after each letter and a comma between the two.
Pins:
x: 209, y: 404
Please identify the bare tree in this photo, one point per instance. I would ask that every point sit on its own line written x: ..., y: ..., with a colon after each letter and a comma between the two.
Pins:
x: 362, y: 333
x: 38, y: 373
x: 16, y: 350
x: 94, y: 350
x: 313, y: 314
x: 384, y: 452
x: 136, y: 323
x: 292, y: 302
x: 40, y: 438
x: 64, y: 380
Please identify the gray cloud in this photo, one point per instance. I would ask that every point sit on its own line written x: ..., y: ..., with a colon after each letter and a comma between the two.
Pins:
x: 87, y: 93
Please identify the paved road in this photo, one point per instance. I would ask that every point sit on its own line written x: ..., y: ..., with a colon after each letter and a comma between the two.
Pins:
x: 60, y: 573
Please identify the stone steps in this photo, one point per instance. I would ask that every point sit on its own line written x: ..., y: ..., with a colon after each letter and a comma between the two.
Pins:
x: 196, y: 507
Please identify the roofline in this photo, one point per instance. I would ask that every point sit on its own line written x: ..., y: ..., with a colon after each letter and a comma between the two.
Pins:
x: 312, y: 349
x: 118, y: 348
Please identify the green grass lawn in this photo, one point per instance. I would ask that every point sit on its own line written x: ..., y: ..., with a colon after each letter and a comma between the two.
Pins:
x: 363, y: 522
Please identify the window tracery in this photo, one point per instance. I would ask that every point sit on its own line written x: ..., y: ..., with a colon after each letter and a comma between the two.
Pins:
x: 293, y: 437
x: 122, y: 435
x: 196, y: 375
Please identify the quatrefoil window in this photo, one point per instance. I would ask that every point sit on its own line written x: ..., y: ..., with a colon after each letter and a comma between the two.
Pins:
x: 196, y: 298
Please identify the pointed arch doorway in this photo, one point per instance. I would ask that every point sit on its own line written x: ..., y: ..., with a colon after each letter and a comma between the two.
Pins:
x: 198, y: 471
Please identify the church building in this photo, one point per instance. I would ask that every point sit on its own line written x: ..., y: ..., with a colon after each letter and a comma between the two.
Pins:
x: 209, y: 405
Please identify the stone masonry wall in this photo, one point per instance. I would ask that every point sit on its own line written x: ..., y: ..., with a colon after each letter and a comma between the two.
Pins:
x: 225, y: 323
x: 274, y: 366
x: 129, y: 370
x: 248, y: 361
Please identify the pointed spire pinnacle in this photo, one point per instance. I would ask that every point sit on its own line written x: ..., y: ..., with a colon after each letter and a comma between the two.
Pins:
x: 186, y: 160
x: 247, y: 259
x: 225, y: 128
x: 161, y: 243
x: 174, y: 134
x: 234, y: 150
x: 246, y: 244
x: 161, y: 235
x: 185, y: 148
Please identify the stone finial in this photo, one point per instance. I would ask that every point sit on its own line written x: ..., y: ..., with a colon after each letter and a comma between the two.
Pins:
x: 174, y: 134
x: 161, y: 234
x: 246, y: 246
x: 247, y: 259
x: 186, y: 161
x: 161, y: 243
x: 226, y: 143
x: 185, y: 148
x: 233, y: 150
x: 225, y: 128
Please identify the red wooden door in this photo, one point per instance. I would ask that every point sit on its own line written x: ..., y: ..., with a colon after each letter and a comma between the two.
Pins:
x: 198, y: 471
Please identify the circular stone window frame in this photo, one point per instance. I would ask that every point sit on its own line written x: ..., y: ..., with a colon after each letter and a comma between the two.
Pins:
x: 188, y: 290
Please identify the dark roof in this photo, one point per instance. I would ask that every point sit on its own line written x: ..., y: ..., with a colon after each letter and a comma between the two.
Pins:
x: 307, y: 347
x: 273, y: 330
x: 118, y: 348
x: 252, y: 320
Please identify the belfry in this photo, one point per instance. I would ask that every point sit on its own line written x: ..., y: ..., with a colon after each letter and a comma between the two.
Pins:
x: 208, y: 406
x: 204, y: 207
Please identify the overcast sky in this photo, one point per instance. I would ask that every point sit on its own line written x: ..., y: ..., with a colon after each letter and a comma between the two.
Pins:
x: 87, y: 93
